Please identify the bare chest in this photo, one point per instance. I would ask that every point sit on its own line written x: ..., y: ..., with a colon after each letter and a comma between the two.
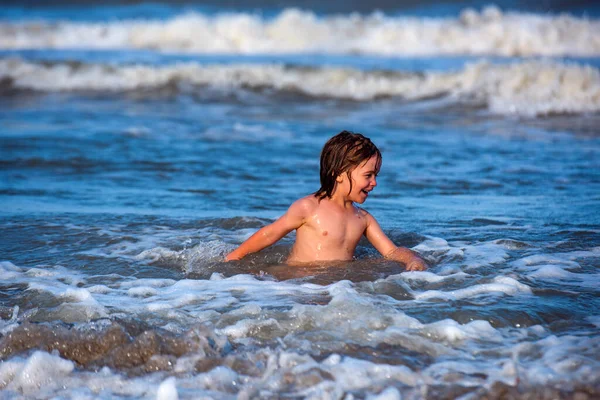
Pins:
x: 336, y: 227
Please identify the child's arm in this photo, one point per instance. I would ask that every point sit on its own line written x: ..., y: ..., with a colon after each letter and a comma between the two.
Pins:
x: 388, y: 249
x: 267, y: 235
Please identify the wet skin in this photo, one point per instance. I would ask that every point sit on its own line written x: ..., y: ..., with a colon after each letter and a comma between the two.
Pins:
x: 329, y: 229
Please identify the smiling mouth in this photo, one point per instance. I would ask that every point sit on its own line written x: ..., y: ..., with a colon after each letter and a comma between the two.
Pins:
x: 365, y: 192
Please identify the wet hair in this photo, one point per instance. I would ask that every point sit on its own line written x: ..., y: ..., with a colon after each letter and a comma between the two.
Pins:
x: 343, y: 153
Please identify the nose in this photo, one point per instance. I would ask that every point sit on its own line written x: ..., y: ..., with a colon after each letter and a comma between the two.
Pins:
x: 374, y: 182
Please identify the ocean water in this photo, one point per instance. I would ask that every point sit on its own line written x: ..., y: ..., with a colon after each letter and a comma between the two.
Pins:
x: 141, y: 142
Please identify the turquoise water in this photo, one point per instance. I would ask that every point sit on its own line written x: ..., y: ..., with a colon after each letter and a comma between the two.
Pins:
x: 136, y: 150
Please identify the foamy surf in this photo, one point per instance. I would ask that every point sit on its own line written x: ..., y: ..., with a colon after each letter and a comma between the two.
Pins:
x: 243, y: 337
x: 528, y: 88
x: 486, y: 32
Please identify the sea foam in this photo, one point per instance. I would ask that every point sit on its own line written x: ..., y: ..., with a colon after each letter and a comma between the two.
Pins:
x: 37, y: 371
x: 500, y: 284
x: 490, y: 32
x: 247, y: 311
x: 527, y: 88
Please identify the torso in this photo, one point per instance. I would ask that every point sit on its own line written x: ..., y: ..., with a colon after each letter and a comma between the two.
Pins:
x: 329, y: 232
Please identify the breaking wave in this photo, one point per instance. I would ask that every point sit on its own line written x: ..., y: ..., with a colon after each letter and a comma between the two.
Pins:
x: 490, y: 31
x: 527, y: 88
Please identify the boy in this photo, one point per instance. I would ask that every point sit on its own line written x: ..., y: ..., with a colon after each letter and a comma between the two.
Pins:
x: 328, y: 224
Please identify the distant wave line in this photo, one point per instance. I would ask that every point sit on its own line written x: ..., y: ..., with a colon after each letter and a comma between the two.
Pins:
x: 528, y: 88
x: 488, y: 32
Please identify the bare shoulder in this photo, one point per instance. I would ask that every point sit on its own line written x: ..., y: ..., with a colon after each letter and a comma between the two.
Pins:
x: 304, y: 206
x: 364, y: 214
x: 309, y: 202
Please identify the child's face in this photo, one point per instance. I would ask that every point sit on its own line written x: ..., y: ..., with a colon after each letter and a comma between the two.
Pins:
x: 364, y: 179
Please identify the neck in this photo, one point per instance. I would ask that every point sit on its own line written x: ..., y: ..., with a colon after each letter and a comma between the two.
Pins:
x: 341, y: 200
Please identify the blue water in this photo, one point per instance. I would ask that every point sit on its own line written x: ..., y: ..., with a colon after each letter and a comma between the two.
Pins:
x: 118, y: 204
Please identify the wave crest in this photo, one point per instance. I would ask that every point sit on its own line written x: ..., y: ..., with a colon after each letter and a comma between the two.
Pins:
x: 530, y: 88
x: 490, y: 32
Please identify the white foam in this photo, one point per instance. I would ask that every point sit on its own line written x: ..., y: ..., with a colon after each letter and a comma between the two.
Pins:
x: 551, y: 271
x: 500, y: 284
x: 249, y: 327
x: 469, y: 256
x: 219, y: 379
x: 526, y: 88
x: 451, y: 331
x: 353, y: 373
x: 559, y: 358
x: 108, y: 384
x: 349, y: 316
x: 559, y: 274
x: 452, y: 258
x: 565, y: 260
x: 147, y: 282
x: 249, y: 310
x: 9, y: 270
x: 103, y: 289
x: 390, y: 393
x: 558, y: 267
x: 412, y: 339
x: 348, y: 374
x: 39, y: 370
x: 158, y: 253
x: 294, y: 31
x: 475, y: 373
x: 439, y: 248
x: 142, y: 291
x: 77, y: 304
x: 551, y: 361
x: 190, y: 259
x: 78, y: 295
x: 39, y: 272
x: 168, y: 390
x: 152, y: 244
x: 427, y: 276
x: 484, y: 254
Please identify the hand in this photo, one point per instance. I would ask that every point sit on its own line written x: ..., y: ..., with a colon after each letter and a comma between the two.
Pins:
x: 231, y: 257
x: 417, y: 264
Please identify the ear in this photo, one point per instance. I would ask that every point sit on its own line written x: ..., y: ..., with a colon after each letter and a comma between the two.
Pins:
x: 339, y: 178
